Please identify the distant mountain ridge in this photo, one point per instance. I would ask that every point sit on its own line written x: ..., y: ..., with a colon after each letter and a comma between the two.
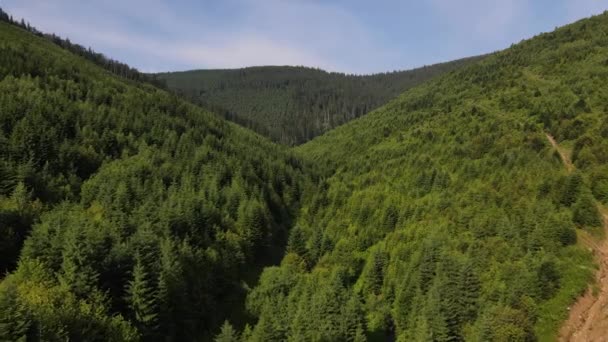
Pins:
x: 464, y: 209
x: 292, y: 105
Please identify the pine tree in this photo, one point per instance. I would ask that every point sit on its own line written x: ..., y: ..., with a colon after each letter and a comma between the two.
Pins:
x: 572, y: 189
x: 353, y: 318
x: 246, y: 336
x: 297, y: 242
x: 390, y: 219
x: 359, y: 334
x: 469, y: 288
x: 14, y: 320
x: 264, y: 331
x: 585, y: 212
x: 438, y: 328
x: 428, y: 265
x: 172, y: 305
x: 227, y: 334
x: 77, y: 273
x: 447, y: 286
x: 142, y: 298
x: 375, y: 274
x: 548, y: 279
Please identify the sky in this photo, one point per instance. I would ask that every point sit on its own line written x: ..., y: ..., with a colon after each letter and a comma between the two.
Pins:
x: 351, y: 36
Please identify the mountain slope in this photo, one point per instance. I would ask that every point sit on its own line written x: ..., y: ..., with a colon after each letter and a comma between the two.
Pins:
x: 447, y: 214
x: 144, y: 215
x: 292, y: 105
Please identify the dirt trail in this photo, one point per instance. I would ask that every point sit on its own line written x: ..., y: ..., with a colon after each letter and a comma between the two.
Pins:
x: 588, y: 318
x: 562, y: 153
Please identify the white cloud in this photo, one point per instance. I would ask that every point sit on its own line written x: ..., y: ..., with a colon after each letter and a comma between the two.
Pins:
x: 233, y: 53
x: 161, y: 35
x: 270, y: 32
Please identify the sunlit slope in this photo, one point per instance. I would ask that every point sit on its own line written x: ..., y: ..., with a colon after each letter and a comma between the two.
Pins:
x: 447, y: 214
x: 143, y: 215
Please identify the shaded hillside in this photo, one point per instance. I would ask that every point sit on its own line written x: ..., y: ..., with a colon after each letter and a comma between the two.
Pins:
x: 447, y: 215
x: 292, y: 105
x: 142, y: 214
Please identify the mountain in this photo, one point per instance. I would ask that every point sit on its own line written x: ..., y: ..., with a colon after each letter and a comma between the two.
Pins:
x: 448, y: 214
x: 126, y: 213
x: 465, y: 209
x: 292, y: 105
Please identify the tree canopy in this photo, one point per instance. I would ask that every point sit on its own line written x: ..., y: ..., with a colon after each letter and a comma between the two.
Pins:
x: 129, y: 213
x: 292, y: 105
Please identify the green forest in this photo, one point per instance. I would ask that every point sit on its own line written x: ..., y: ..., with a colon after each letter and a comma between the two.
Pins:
x: 126, y: 212
x: 129, y: 212
x: 292, y: 105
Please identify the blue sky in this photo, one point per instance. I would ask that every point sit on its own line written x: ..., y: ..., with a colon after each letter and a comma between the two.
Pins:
x: 353, y: 36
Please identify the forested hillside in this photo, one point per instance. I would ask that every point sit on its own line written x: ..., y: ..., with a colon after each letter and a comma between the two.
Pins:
x: 446, y: 214
x: 292, y: 105
x: 125, y: 212
x: 457, y: 211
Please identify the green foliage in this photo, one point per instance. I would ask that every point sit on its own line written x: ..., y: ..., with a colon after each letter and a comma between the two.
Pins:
x: 292, y: 105
x: 227, y: 334
x: 14, y: 319
x: 441, y: 216
x: 585, y: 212
x: 142, y: 299
x: 146, y: 212
x: 446, y: 211
x: 42, y: 310
x: 17, y: 213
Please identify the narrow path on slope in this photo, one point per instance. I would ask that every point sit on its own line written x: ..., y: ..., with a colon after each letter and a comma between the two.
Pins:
x: 562, y: 153
x: 588, y: 317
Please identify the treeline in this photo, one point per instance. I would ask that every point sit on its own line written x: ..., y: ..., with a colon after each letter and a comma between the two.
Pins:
x: 125, y: 212
x: 129, y: 214
x: 292, y: 105
x: 447, y: 215
x: 113, y: 66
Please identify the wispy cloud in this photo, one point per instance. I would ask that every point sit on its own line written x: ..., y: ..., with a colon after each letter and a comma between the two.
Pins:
x: 339, y: 35
x: 269, y: 32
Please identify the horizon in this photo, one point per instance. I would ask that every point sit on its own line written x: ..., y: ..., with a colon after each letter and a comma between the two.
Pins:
x: 244, y: 33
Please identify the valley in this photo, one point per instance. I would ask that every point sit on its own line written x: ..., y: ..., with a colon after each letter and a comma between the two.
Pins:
x: 462, y: 201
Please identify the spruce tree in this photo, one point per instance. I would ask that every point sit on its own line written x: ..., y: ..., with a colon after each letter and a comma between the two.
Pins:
x: 142, y: 298
x: 572, y: 189
x: 77, y: 272
x: 585, y: 212
x: 227, y: 334
x: 469, y: 288
x: 14, y: 320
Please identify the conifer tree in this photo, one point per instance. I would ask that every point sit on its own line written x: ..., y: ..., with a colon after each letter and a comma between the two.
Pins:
x: 142, y: 298
x: 469, y: 288
x: 297, y: 242
x: 14, y: 320
x: 353, y: 319
x: 375, y: 274
x: 227, y: 334
x: 77, y: 272
x: 585, y: 212
x: 572, y: 189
